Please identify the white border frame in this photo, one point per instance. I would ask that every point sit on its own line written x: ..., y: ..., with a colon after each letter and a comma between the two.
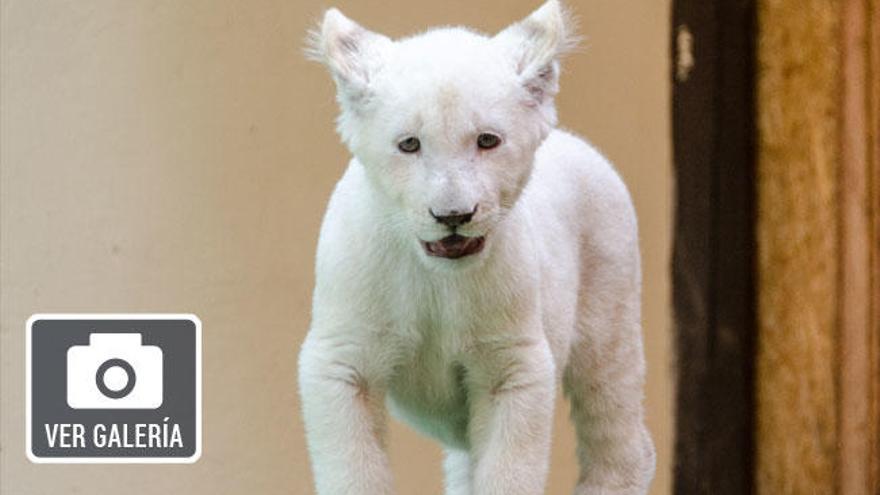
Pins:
x: 114, y: 460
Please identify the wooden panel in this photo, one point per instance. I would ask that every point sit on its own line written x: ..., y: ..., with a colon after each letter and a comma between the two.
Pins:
x: 798, y: 108
x: 713, y: 296
x: 819, y: 282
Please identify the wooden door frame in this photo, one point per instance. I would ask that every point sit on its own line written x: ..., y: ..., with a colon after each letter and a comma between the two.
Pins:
x: 714, y: 257
x: 858, y: 456
x: 713, y: 75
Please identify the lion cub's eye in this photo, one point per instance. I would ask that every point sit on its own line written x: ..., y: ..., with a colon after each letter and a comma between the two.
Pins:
x: 409, y: 145
x: 488, y: 141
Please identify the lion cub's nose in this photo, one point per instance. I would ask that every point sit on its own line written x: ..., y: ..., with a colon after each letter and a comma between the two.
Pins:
x: 453, y: 218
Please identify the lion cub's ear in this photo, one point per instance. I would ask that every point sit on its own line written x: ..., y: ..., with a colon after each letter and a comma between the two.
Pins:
x: 351, y: 52
x: 536, y: 44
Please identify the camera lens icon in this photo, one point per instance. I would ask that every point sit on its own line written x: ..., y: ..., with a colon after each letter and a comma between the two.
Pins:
x: 115, y: 371
x: 115, y: 391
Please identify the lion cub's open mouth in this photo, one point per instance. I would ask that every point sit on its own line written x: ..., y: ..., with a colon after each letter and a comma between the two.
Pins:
x: 454, y: 246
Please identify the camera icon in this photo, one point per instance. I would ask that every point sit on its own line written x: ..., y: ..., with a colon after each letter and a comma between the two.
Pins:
x: 114, y: 372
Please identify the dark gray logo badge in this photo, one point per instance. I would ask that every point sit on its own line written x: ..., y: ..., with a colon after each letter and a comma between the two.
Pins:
x: 114, y: 388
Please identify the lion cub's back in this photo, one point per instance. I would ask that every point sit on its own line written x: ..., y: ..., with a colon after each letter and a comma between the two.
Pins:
x: 576, y: 186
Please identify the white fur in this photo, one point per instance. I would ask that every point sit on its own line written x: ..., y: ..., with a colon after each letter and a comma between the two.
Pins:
x: 469, y: 351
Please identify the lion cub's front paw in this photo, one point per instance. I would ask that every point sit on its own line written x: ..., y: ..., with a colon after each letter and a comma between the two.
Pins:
x: 585, y: 489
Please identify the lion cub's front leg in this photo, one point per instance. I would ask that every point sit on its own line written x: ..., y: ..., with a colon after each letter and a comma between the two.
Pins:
x: 343, y: 410
x: 513, y: 388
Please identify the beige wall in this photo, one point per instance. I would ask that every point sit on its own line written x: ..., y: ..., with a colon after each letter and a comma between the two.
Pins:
x: 176, y: 156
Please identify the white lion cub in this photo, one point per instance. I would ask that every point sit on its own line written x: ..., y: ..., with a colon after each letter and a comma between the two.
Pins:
x: 471, y: 257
